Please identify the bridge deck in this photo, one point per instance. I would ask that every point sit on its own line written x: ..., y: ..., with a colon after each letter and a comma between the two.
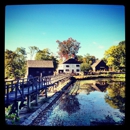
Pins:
x: 19, y: 91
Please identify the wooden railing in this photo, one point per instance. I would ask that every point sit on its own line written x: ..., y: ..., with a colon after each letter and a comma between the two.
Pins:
x: 16, y: 90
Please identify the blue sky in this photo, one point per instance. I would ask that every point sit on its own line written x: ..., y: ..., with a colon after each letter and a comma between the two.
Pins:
x: 97, y: 27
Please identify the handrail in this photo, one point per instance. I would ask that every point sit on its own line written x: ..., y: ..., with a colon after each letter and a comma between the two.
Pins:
x: 31, y: 85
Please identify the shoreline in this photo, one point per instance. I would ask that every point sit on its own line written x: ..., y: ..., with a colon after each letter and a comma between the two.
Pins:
x: 85, y: 77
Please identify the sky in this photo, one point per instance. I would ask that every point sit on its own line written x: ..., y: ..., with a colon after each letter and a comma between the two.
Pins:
x: 96, y: 27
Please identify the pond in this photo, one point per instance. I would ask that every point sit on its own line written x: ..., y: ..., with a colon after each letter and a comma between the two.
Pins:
x: 89, y: 103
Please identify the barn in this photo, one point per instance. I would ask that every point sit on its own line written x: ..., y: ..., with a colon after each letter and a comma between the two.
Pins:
x: 99, y: 65
x: 40, y: 67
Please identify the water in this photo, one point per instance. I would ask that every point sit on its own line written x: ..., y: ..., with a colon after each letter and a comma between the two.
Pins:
x: 88, y: 103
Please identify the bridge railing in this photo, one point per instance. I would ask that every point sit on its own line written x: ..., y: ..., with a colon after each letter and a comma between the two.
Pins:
x: 16, y: 88
x: 25, y: 86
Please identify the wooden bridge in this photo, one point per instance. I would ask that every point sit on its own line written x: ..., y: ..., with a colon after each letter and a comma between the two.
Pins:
x: 21, y: 90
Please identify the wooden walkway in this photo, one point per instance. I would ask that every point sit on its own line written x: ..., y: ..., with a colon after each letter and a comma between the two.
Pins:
x: 19, y: 90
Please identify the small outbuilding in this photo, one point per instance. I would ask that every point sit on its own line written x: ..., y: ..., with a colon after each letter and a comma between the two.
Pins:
x: 99, y: 65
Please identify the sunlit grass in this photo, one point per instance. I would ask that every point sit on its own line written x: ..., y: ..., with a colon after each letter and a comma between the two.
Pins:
x: 100, y: 76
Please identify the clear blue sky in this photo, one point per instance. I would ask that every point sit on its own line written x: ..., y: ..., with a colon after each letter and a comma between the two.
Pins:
x: 97, y: 27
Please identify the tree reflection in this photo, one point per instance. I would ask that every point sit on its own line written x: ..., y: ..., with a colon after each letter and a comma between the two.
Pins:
x: 115, y: 96
x: 68, y: 101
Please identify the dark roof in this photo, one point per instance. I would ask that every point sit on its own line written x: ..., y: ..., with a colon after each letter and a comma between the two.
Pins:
x: 71, y: 61
x: 40, y: 63
x: 96, y: 63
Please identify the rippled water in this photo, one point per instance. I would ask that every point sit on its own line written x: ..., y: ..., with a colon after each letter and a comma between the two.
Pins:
x: 89, y: 103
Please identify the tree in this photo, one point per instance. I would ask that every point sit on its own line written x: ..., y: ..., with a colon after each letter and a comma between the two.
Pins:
x: 21, y: 61
x: 121, y: 48
x: 68, y: 48
x: 45, y: 54
x: 85, y: 67
x: 33, y: 50
x: 115, y: 56
x: 15, y: 63
x: 89, y: 59
x: 80, y: 58
x: 9, y: 57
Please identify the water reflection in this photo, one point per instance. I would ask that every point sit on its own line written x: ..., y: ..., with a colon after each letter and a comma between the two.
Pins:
x: 102, y: 85
x: 90, y: 102
x: 115, y: 96
x: 68, y: 101
x: 115, y: 92
x: 94, y: 86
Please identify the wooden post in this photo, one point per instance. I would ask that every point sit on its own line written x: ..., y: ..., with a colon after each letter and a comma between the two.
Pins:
x: 23, y: 87
x: 7, y: 93
x: 41, y: 75
x: 11, y: 85
x: 28, y: 83
x: 36, y: 99
x: 39, y: 82
x: 46, y: 92
x: 28, y: 102
x: 36, y: 95
x: 16, y: 89
x: 17, y: 108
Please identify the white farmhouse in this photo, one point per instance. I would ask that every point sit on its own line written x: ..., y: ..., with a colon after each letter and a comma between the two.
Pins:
x: 69, y: 66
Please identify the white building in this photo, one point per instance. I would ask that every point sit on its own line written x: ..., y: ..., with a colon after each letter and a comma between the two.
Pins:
x: 69, y: 66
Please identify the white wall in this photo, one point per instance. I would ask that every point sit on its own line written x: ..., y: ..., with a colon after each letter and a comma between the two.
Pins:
x: 60, y: 67
x: 70, y: 68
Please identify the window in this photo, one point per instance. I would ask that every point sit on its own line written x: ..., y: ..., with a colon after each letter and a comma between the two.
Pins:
x: 43, y: 72
x: 102, y: 67
x: 49, y: 72
x: 67, y: 70
x: 77, y: 65
x: 67, y: 65
x: 77, y: 70
x: 37, y: 72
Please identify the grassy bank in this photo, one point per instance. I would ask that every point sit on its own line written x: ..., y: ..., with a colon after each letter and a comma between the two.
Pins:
x: 100, y: 76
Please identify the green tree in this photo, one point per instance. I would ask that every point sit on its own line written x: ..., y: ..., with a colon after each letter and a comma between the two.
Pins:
x: 15, y: 63
x: 45, y: 54
x: 85, y: 67
x: 9, y: 57
x: 89, y: 59
x: 115, y: 56
x: 121, y: 48
x: 80, y: 58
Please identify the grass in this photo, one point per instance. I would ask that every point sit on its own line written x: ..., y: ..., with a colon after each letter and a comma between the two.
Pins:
x: 100, y: 76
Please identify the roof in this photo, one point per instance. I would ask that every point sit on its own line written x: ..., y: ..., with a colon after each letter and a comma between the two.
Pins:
x: 71, y: 61
x: 40, y: 63
x: 96, y: 63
